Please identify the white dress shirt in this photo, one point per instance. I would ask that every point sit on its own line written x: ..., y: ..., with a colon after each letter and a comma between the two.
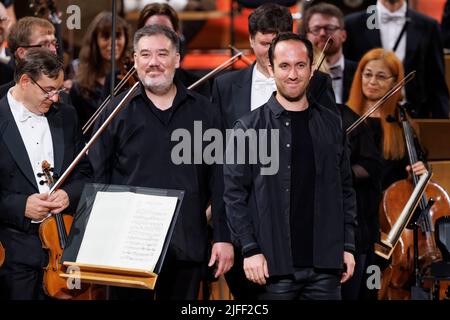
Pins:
x: 262, y: 88
x: 391, y: 24
x: 337, y: 77
x: 36, y: 136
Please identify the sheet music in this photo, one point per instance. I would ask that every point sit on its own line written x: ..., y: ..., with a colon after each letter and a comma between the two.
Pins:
x: 126, y: 230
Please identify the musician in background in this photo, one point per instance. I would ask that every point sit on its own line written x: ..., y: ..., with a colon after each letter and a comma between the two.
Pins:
x: 322, y: 21
x: 416, y: 40
x: 92, y: 73
x: 378, y: 71
x: 33, y: 129
x: 136, y: 149
x: 26, y: 33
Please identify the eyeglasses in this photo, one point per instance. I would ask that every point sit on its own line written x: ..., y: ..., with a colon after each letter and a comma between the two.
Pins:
x: 329, y: 29
x: 379, y: 77
x: 49, y: 94
x: 47, y: 44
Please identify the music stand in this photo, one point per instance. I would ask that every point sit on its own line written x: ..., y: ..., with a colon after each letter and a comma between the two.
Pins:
x: 106, y: 275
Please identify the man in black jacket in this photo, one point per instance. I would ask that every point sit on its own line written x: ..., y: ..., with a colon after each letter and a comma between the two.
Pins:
x: 294, y: 226
x: 419, y: 47
x: 33, y: 129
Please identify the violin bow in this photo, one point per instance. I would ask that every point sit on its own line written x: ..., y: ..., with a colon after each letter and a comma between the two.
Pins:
x: 94, y: 138
x: 223, y: 66
x: 322, y: 54
x: 383, y: 99
x: 100, y: 109
x: 243, y: 57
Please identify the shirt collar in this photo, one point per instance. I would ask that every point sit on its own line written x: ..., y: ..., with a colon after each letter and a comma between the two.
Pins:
x: 182, y: 94
x: 20, y: 112
x: 258, y: 76
x: 277, y: 109
x: 400, y: 12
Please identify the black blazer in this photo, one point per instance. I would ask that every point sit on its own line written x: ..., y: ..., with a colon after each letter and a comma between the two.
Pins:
x: 231, y: 93
x: 18, y: 181
x: 427, y: 92
x: 7, y: 69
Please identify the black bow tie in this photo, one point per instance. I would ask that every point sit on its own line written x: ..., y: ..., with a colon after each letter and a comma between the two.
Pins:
x: 336, y: 72
x: 386, y: 18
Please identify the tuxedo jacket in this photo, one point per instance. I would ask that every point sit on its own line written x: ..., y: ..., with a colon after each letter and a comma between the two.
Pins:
x: 349, y: 72
x: 7, y: 69
x: 427, y: 92
x: 18, y: 180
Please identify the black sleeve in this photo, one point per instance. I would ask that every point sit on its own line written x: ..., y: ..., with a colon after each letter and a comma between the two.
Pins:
x: 238, y: 183
x: 221, y: 232
x: 348, y: 198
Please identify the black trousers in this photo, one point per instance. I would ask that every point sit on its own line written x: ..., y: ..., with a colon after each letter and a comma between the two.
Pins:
x: 21, y: 276
x: 178, y: 280
x: 240, y: 287
x: 306, y: 284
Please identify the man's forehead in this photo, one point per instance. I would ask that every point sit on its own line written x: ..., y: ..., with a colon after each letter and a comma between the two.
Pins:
x: 46, y: 81
x: 155, y: 42
x: 320, y: 16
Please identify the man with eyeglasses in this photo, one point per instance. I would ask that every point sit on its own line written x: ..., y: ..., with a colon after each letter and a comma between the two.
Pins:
x: 415, y: 39
x: 26, y: 33
x: 32, y: 130
x: 320, y: 22
x: 6, y: 62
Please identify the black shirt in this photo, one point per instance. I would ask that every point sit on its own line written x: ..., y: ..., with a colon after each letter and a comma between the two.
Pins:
x: 136, y: 149
x: 302, y: 186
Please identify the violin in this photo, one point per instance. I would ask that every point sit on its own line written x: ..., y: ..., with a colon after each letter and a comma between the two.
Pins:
x: 404, y: 270
x: 53, y: 234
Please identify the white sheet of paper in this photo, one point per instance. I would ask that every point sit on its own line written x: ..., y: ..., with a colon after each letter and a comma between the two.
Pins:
x: 126, y: 230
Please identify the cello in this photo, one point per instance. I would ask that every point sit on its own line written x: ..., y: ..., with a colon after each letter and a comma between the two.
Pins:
x: 409, y: 262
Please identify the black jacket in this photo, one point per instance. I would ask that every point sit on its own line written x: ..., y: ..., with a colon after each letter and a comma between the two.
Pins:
x: 258, y: 206
x: 427, y: 92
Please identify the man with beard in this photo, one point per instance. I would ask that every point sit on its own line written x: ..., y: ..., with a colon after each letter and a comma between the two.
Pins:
x: 322, y: 21
x: 136, y: 149
x: 296, y: 227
